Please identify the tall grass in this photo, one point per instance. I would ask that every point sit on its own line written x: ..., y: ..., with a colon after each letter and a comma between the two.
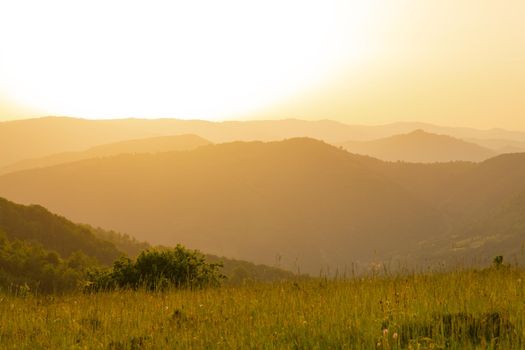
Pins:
x: 422, y: 311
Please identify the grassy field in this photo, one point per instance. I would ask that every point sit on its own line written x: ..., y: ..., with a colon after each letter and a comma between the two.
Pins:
x: 458, y: 310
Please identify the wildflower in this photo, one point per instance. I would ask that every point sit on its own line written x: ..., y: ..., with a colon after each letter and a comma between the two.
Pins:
x: 394, y: 336
x: 385, y: 332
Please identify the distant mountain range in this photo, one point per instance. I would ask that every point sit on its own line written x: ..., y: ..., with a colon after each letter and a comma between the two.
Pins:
x: 36, y: 138
x: 300, y: 202
x: 500, y: 145
x: 146, y: 145
x: 420, y: 147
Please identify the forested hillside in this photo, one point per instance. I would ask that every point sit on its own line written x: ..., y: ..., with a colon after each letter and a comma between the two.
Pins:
x: 301, y: 201
x: 44, y: 252
x: 26, y: 267
x: 36, y: 224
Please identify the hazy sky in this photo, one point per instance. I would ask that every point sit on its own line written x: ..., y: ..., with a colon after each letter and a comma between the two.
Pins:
x: 453, y: 62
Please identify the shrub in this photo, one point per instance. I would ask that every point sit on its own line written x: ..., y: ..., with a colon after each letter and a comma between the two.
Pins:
x: 498, y: 261
x: 158, y: 269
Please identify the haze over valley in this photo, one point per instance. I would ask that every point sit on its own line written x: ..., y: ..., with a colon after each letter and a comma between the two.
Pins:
x: 297, y: 203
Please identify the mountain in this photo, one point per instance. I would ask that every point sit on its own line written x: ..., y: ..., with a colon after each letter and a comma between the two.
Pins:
x: 420, y: 147
x: 49, y: 253
x: 500, y: 145
x: 458, y: 132
x: 499, y: 231
x: 486, y: 185
x: 147, y: 145
x: 301, y: 202
x: 36, y: 138
x: 53, y: 135
x: 43, y: 252
x: 484, y: 205
x: 36, y: 224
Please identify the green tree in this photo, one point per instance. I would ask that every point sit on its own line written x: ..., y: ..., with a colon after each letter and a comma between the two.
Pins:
x: 157, y: 269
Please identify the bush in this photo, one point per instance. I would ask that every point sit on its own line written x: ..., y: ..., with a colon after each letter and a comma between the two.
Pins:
x: 498, y: 261
x: 158, y: 269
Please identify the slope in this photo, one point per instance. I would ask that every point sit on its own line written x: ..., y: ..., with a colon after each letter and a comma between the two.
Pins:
x: 31, y: 237
x: 301, y: 202
x: 36, y: 224
x: 420, y: 147
x: 147, y: 145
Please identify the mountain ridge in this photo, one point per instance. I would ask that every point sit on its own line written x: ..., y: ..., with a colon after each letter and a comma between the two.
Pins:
x: 420, y: 146
x: 144, y: 145
x: 207, y: 198
x: 52, y: 135
x: 309, y: 203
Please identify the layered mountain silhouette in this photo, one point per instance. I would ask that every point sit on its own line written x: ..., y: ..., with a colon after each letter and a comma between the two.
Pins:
x: 420, y: 147
x: 146, y: 145
x: 36, y: 138
x: 500, y: 145
x: 301, y: 202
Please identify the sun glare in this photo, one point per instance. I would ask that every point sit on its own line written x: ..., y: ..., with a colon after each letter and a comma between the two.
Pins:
x: 184, y: 59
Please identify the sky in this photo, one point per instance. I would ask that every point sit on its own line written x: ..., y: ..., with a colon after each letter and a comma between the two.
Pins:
x: 448, y: 62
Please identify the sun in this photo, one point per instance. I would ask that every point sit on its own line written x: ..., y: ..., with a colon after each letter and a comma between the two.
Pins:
x: 186, y: 59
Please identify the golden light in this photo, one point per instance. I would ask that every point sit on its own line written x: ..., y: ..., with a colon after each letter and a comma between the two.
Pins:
x: 184, y: 59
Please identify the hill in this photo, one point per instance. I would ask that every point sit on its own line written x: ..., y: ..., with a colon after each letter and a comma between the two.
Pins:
x: 36, y: 224
x: 499, y: 231
x: 147, y: 145
x: 500, y: 145
x: 485, y: 186
x: 46, y: 252
x: 301, y: 202
x: 484, y: 206
x: 54, y: 135
x: 49, y: 253
x: 298, y: 203
x: 420, y: 147
x: 27, y: 267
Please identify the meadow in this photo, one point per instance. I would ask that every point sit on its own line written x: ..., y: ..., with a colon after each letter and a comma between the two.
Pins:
x: 467, y: 309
